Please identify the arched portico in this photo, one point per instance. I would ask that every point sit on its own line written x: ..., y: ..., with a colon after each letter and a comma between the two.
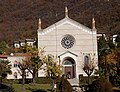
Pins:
x: 69, y: 67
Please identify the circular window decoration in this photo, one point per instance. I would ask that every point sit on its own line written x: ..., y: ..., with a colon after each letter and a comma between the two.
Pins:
x: 68, y: 41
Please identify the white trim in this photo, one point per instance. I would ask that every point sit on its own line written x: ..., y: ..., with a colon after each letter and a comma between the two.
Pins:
x: 63, y: 22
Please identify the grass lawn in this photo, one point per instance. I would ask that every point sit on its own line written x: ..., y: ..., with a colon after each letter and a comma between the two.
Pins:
x: 18, y: 87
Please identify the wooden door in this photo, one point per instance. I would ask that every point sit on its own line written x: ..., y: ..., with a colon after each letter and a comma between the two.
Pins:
x: 68, y: 71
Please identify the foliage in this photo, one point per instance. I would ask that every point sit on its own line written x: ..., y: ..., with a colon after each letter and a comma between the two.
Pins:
x: 88, y: 68
x: 109, y: 60
x: 21, y: 24
x: 104, y: 50
x: 3, y: 47
x: 4, y: 69
x: 35, y: 63
x: 101, y: 85
x: 103, y: 47
x: 52, y: 68
x: 6, y: 88
x: 22, y: 67
x: 27, y: 49
x: 63, y: 85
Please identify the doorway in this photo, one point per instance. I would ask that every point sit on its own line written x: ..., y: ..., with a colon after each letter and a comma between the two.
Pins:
x: 69, y: 67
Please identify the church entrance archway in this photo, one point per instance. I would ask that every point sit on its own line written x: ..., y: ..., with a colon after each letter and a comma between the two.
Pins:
x: 69, y: 67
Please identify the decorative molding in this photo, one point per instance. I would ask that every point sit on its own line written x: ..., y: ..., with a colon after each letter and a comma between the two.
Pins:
x: 66, y: 53
x: 64, y: 21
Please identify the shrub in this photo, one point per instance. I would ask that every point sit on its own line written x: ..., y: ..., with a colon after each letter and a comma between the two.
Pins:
x: 101, y: 85
x: 6, y: 88
x: 63, y: 85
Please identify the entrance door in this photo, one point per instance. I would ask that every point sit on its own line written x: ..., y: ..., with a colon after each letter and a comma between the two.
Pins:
x: 68, y: 71
x: 69, y: 67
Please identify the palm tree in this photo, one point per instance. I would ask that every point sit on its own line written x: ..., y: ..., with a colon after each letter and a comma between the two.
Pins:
x: 4, y: 69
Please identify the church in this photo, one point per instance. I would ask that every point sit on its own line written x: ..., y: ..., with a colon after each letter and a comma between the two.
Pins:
x: 71, y: 42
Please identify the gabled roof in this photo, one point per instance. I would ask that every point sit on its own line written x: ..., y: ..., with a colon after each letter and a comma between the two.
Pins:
x: 67, y: 52
x: 66, y: 20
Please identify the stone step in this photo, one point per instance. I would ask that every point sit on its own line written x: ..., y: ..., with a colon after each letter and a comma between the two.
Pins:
x: 74, y: 82
x: 75, y: 85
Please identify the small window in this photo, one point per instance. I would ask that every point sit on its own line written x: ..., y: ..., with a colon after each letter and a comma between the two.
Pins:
x: 86, y: 60
x: 15, y: 75
x: 15, y: 64
x: 17, y: 46
x: 26, y: 73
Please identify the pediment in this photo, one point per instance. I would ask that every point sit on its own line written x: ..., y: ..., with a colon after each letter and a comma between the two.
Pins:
x: 68, y: 52
x: 65, y: 21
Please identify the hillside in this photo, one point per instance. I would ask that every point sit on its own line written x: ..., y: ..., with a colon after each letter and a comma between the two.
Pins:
x: 19, y: 18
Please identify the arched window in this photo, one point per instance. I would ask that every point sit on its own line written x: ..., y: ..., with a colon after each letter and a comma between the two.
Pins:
x: 86, y: 60
x: 67, y: 62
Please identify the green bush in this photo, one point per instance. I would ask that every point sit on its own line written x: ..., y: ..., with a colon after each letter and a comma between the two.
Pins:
x: 101, y: 85
x: 6, y: 88
x: 63, y: 85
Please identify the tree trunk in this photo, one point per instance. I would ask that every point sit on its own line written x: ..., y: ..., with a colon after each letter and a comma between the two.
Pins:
x: 34, y: 77
x: 88, y: 80
x: 52, y: 85
x: 23, y: 81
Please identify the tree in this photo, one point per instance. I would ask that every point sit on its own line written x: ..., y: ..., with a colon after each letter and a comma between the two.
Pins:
x: 22, y: 67
x: 101, y: 85
x: 103, y: 49
x: 26, y: 49
x: 52, y: 69
x: 88, y: 68
x: 4, y: 69
x: 63, y: 85
x: 35, y: 65
x: 3, y: 47
x: 109, y: 59
x: 35, y: 61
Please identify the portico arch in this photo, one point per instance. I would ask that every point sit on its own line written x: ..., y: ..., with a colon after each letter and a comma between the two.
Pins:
x: 69, y: 67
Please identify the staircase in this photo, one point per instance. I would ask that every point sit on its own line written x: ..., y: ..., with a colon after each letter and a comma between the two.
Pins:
x: 75, y: 85
x: 74, y: 82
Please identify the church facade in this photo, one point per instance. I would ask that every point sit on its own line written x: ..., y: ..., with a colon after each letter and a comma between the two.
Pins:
x: 73, y: 43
